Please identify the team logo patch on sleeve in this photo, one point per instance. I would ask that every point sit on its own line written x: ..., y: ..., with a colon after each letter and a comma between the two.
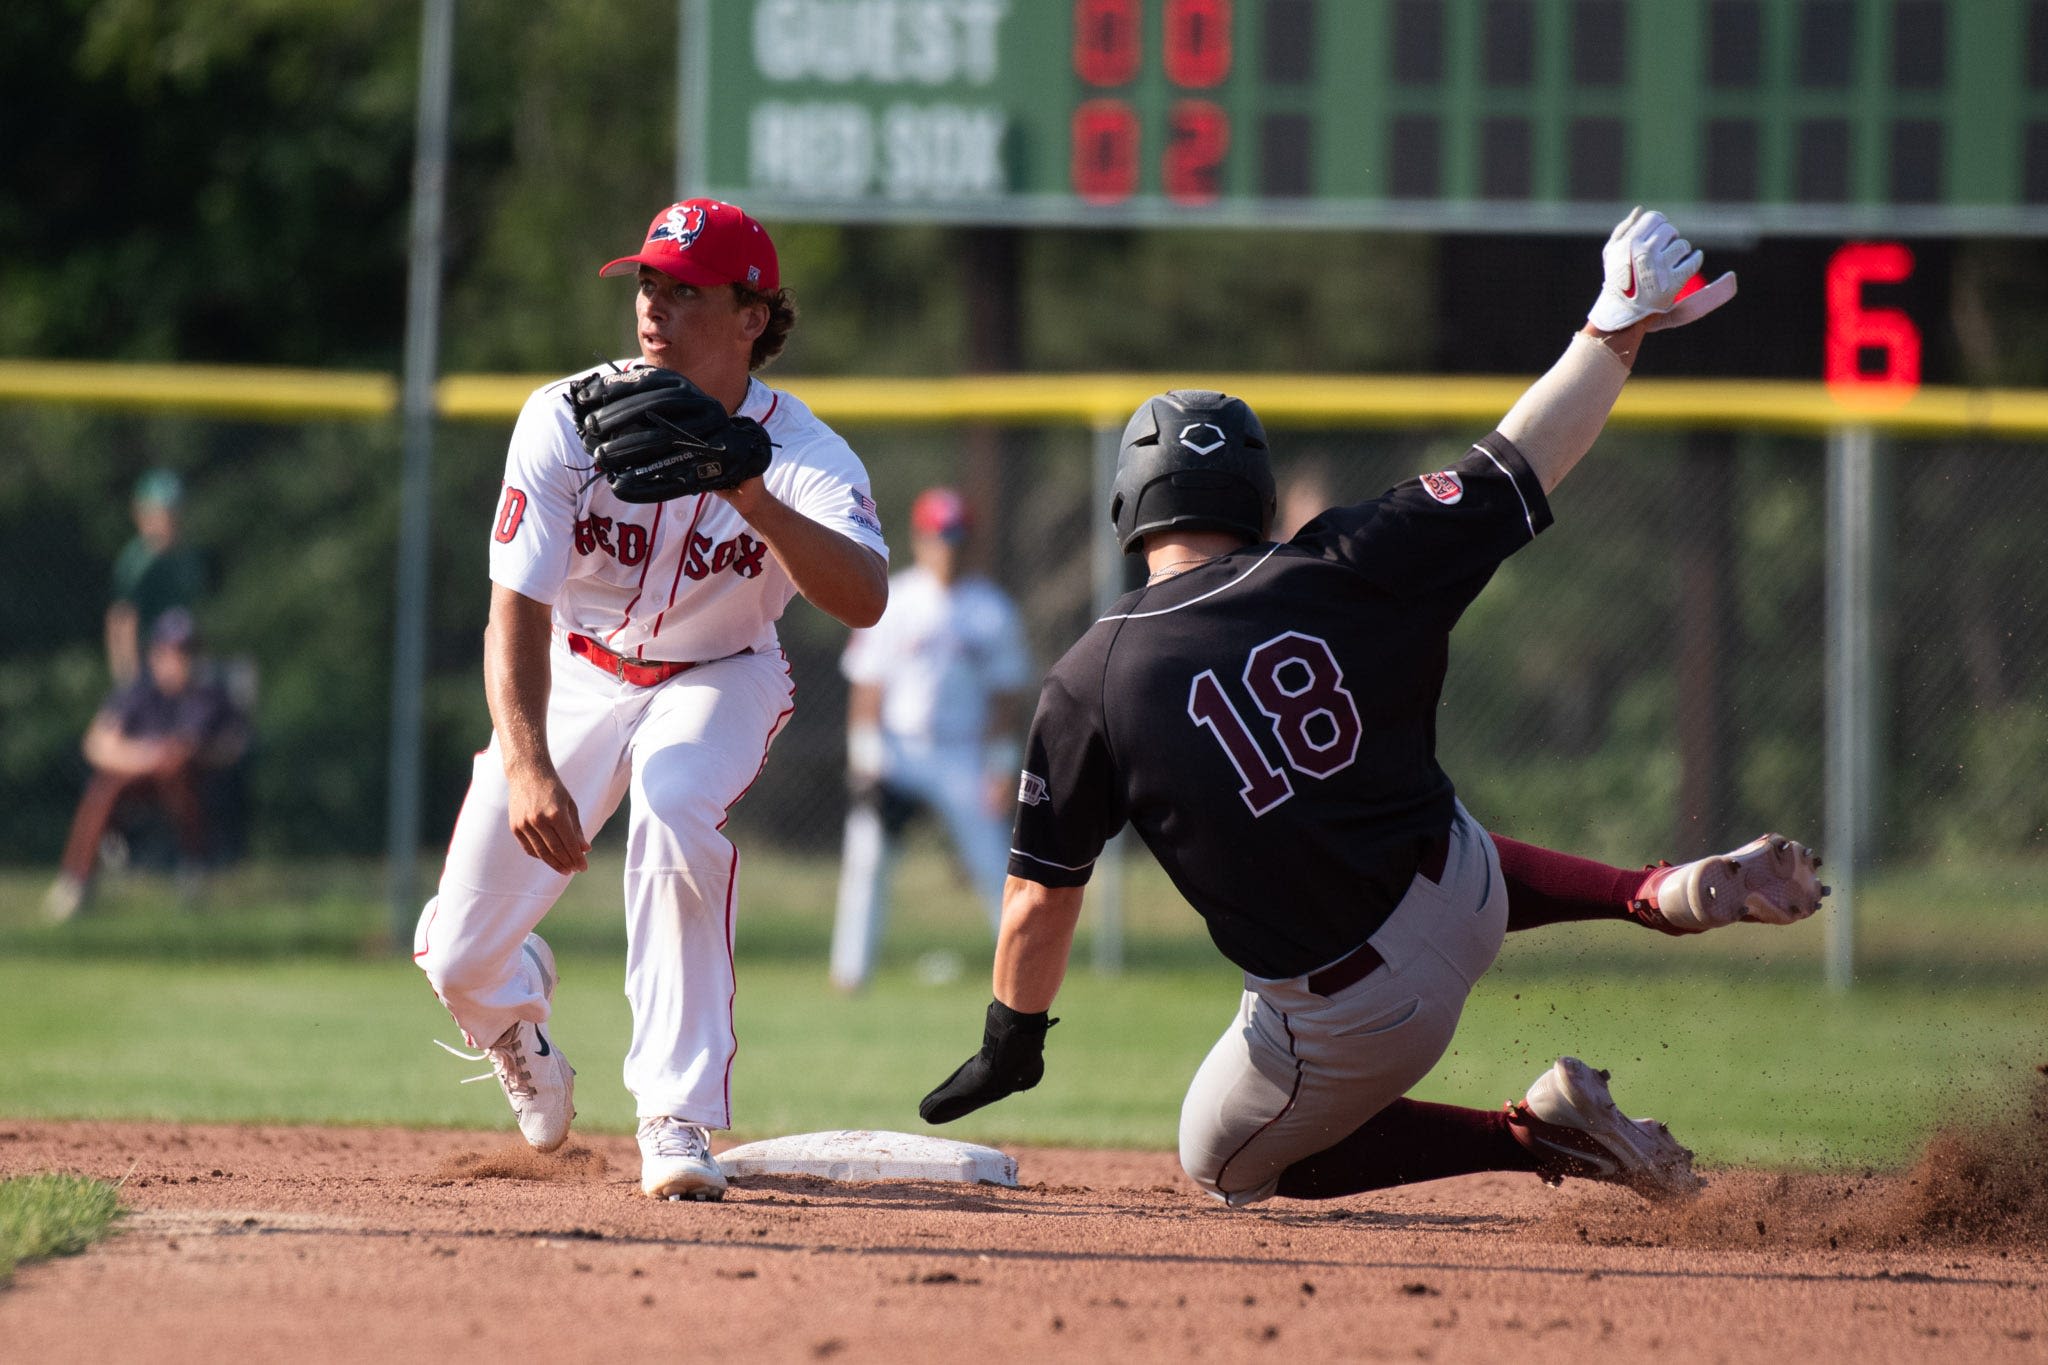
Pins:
x: 866, y: 512
x: 1031, y: 790
x: 1444, y: 486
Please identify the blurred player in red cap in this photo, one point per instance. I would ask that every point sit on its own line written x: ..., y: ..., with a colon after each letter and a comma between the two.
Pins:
x: 929, y: 724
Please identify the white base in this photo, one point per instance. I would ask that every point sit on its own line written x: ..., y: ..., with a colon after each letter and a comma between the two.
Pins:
x: 859, y: 1154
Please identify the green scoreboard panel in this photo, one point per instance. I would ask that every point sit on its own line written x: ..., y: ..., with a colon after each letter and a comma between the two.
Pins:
x: 1754, y: 116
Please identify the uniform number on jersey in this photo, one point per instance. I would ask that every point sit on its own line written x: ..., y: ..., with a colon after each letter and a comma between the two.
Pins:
x: 509, y: 515
x: 1298, y: 685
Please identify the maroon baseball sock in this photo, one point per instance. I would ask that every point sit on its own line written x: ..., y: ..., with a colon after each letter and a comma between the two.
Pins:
x: 1548, y: 887
x: 1406, y: 1142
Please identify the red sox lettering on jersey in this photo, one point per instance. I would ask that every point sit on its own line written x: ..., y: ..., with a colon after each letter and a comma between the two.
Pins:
x: 684, y: 579
x: 627, y: 542
x: 742, y: 554
x: 594, y: 533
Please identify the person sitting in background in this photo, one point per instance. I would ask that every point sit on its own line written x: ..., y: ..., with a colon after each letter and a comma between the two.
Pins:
x: 155, y: 739
x: 929, y: 721
x: 156, y: 572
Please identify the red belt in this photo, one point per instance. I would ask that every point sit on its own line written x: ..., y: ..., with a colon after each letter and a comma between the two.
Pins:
x: 639, y: 672
x: 1365, y: 959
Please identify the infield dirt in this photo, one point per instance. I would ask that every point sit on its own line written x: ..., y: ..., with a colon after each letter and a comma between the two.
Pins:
x: 326, y: 1244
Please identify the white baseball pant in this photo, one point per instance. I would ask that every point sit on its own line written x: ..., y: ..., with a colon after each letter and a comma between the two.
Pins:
x: 1296, y: 1072
x: 684, y: 750
x: 952, y: 780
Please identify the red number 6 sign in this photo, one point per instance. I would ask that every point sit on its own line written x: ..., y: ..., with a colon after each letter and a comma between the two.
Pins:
x: 1855, y: 331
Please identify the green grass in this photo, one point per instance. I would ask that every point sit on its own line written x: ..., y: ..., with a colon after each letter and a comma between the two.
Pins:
x: 285, y: 1003
x: 52, y: 1215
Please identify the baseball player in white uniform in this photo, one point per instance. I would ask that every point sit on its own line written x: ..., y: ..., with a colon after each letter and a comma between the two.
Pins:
x: 929, y: 722
x: 631, y: 650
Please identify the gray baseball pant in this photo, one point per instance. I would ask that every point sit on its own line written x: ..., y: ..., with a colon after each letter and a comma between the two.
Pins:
x: 1295, y: 1072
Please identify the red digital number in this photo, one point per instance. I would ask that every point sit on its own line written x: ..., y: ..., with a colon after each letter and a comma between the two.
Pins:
x: 509, y: 515
x: 1105, y: 163
x: 1197, y: 138
x: 1197, y: 43
x: 1106, y: 41
x: 1854, y: 329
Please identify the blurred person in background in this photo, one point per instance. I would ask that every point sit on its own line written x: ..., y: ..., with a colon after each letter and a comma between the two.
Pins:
x: 157, y: 740
x: 155, y: 572
x: 1302, y: 497
x: 930, y: 725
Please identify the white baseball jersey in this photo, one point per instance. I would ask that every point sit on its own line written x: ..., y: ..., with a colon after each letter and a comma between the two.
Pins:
x: 684, y: 579
x: 937, y: 653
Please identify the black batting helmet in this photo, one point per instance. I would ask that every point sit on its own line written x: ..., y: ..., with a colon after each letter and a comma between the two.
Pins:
x: 1192, y: 459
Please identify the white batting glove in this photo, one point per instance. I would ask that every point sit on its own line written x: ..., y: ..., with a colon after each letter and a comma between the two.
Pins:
x: 1646, y: 263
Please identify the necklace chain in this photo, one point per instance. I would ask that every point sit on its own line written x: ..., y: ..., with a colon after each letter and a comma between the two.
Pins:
x: 1174, y: 568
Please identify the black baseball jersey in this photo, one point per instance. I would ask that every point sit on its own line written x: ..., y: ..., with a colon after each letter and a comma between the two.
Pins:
x: 1266, y: 721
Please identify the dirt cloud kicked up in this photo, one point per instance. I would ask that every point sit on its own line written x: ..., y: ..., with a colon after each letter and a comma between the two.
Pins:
x: 516, y: 1161
x: 1984, y: 1184
x: 1980, y: 1185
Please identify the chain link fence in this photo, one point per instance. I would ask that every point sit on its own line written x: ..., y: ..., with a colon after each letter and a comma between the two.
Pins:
x: 1646, y: 680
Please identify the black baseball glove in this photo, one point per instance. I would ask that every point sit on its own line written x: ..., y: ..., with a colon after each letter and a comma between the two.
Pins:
x: 1012, y: 1058
x: 653, y: 435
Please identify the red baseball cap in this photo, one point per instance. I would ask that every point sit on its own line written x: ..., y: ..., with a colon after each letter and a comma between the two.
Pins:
x: 705, y: 242
x: 940, y: 512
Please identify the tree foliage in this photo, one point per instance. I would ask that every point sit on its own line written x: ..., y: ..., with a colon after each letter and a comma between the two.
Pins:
x: 230, y: 180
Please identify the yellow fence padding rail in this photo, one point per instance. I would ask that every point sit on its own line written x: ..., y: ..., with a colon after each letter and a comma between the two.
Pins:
x: 1094, y: 400
x: 220, y: 390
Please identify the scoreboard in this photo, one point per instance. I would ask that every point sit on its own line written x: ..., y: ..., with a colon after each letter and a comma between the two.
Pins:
x: 1908, y: 117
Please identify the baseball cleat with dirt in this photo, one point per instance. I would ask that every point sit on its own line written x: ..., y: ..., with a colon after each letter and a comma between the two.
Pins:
x: 1570, y: 1122
x: 539, y: 1082
x: 676, y: 1161
x: 1769, y: 880
x: 537, y: 1079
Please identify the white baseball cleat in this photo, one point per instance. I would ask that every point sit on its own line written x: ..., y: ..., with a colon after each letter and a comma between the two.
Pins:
x: 537, y: 1079
x: 676, y: 1161
x: 1569, y: 1120
x: 65, y: 898
x: 1769, y: 880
